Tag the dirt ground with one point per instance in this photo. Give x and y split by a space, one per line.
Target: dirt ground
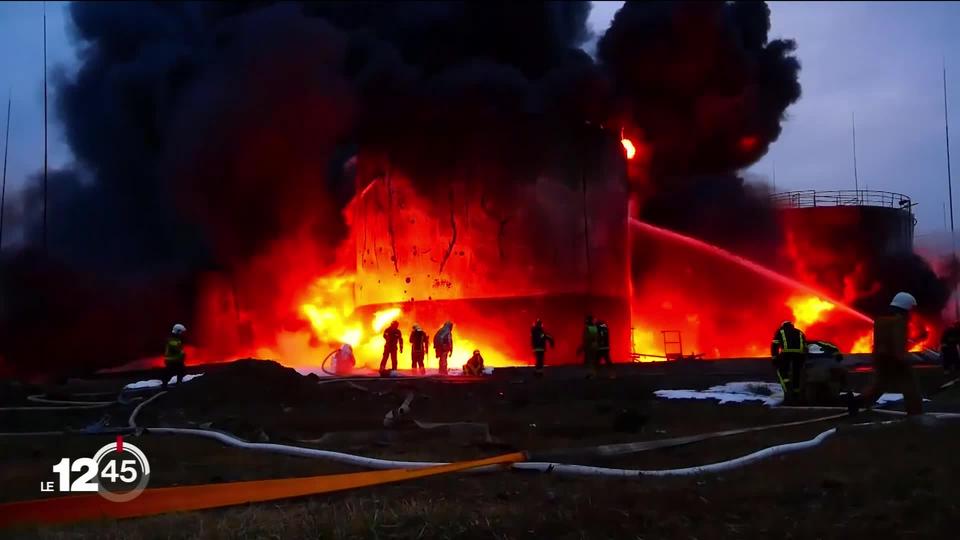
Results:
900 478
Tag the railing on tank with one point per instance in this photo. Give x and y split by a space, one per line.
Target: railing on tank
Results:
848 197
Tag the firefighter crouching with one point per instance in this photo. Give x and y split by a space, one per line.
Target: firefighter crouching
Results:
343 360
538 340
474 366
789 353
950 348
174 357
419 343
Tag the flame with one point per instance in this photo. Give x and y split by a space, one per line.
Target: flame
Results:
808 309
863 345
629 148
384 317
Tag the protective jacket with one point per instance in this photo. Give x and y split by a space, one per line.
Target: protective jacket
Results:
173 352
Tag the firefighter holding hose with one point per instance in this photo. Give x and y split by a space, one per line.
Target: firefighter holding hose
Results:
950 348
174 357
789 353
392 338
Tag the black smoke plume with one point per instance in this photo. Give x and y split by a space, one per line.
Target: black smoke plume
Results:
204 132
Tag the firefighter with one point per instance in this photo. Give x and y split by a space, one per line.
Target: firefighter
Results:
344 362
443 345
419 345
789 354
392 338
474 366
891 371
538 340
174 357
589 345
950 348
603 344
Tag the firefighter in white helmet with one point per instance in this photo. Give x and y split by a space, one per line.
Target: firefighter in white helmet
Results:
174 357
891 341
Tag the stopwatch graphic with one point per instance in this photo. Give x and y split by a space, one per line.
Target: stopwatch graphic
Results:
123 471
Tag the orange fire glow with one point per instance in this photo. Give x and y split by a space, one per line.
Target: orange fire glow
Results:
629 148
808 309
333 320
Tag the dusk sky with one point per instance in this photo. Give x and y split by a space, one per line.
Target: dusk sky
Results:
881 61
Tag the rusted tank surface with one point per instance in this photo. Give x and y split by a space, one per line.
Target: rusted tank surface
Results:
546 239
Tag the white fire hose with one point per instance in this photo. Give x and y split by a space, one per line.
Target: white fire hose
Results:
547 467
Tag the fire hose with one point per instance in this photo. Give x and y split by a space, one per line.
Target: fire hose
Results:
161 500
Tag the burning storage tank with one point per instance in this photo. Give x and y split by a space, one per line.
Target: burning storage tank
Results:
510 227
830 234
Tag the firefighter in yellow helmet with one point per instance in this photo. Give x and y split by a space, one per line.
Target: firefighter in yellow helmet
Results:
174 357
789 353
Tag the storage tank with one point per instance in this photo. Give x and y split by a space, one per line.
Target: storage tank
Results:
494 238
829 233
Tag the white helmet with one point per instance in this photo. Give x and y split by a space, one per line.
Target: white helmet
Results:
904 301
179 329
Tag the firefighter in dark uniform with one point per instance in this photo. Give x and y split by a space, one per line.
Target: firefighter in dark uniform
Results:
603 344
174 357
392 338
419 343
789 353
588 345
538 340
950 348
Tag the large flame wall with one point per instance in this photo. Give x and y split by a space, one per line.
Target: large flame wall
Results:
551 244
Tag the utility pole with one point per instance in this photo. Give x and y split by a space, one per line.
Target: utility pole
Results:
856 179
946 132
45 252
3 188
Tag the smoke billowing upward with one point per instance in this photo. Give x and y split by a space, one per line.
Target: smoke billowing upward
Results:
701 85
209 135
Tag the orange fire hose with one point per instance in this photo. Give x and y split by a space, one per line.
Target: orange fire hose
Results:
187 498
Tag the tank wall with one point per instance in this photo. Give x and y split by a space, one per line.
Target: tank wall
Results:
548 242
864 229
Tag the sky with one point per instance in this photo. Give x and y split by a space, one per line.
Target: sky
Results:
879 61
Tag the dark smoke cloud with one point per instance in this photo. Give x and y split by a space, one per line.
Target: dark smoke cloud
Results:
204 132
704 88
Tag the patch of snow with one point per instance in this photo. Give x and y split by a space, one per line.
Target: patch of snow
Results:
155 383
735 392
891 398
